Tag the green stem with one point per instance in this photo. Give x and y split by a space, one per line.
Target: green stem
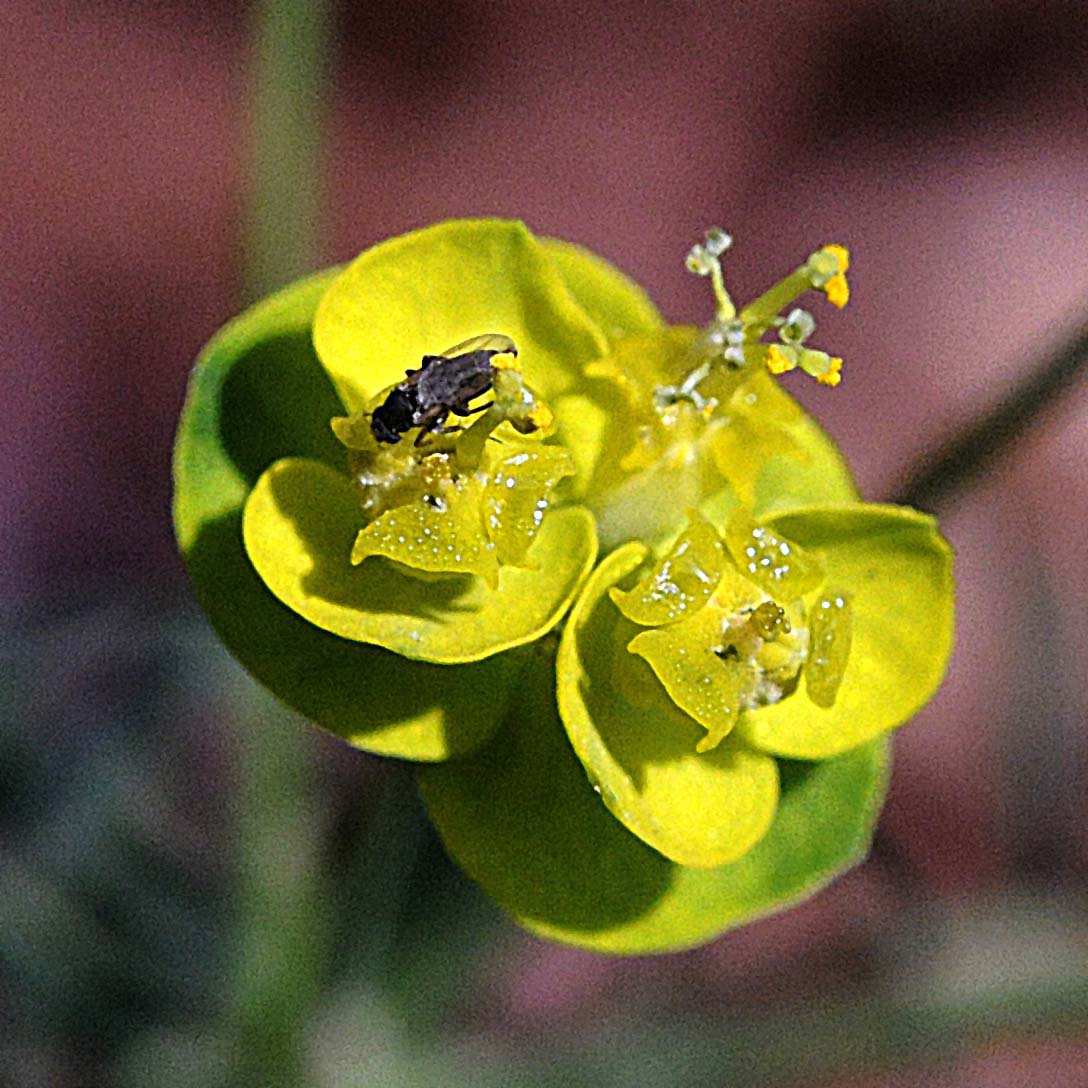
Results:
285 171
760 312
726 310
965 458
281 934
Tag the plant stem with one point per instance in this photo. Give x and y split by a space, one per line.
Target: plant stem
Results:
281 931
291 44
965 458
379 875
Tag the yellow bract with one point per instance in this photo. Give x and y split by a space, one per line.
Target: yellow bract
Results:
897 571
701 810
299 523
417 294
692 660
681 582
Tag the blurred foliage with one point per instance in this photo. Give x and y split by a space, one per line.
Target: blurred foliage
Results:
198 890
113 902
153 917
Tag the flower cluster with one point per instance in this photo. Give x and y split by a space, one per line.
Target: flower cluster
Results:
601 577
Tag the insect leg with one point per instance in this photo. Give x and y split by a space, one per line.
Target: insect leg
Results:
433 431
464 410
430 421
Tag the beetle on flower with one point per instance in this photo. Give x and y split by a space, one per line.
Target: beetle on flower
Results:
629 615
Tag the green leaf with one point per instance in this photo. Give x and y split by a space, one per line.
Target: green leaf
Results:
523 821
896 570
423 292
300 521
258 393
699 809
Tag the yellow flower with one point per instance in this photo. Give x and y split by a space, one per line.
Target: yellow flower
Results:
630 758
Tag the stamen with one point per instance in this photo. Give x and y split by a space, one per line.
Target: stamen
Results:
778 362
833 375
702 259
827 269
797 326
541 417
717 241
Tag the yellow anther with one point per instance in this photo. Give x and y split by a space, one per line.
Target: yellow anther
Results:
836 288
769 620
841 254
834 373
778 362
505 360
541 416
838 291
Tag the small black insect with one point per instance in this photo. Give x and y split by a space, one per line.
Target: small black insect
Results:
443 384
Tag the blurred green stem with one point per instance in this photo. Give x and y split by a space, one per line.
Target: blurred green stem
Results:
291 47
979 445
281 932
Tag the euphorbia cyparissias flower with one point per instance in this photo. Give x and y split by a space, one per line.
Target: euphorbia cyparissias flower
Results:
601 577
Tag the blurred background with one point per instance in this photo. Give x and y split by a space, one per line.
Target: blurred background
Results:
197 889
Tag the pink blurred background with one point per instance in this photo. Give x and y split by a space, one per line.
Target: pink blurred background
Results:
946 145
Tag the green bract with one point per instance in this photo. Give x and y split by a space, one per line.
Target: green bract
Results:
472 497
